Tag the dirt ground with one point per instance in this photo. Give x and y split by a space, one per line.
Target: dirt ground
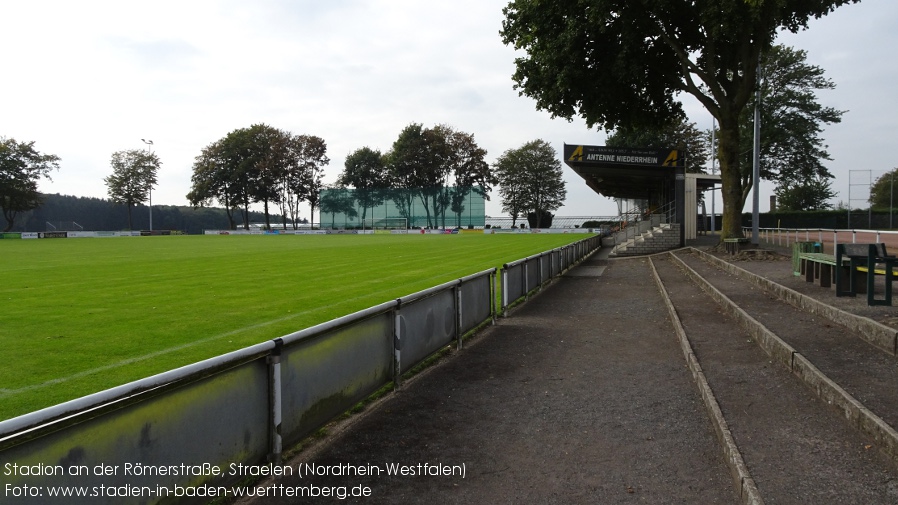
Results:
582 395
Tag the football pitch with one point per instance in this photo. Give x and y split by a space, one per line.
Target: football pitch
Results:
83 315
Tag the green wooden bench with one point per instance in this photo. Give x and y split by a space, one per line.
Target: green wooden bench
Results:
854 277
871 259
817 267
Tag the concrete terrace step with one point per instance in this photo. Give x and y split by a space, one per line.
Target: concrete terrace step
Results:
661 238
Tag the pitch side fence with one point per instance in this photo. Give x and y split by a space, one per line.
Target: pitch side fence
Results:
189 427
827 237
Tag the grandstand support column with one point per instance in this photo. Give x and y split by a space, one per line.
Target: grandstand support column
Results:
680 205
275 402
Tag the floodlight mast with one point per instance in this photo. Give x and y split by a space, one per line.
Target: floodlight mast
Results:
149 144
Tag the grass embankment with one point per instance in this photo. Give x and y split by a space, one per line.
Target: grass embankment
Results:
82 315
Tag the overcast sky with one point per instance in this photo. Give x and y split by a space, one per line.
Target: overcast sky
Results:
85 79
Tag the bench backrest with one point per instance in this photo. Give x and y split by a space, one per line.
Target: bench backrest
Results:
856 250
863 250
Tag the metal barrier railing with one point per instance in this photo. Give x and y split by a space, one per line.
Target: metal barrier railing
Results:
785 237
521 277
245 406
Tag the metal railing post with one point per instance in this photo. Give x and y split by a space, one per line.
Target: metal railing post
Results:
526 280
275 403
505 290
458 316
493 294
397 345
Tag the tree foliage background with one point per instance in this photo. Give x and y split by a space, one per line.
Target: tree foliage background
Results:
623 64
792 122
21 167
531 182
260 164
437 166
133 177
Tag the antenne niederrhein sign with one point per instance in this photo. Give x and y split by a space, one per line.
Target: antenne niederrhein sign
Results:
615 156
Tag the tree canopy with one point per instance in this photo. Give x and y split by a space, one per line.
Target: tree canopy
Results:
792 119
260 164
21 167
530 182
622 63
884 192
365 170
133 177
424 162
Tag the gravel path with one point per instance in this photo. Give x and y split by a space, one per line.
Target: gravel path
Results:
581 396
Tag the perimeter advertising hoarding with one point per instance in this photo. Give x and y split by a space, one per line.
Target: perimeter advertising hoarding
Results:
622 156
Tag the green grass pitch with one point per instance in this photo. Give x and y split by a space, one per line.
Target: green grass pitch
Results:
82 315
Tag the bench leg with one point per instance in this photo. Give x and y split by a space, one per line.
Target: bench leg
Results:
808 270
887 300
826 274
860 281
844 281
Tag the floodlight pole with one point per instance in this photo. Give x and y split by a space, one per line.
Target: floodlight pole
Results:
149 144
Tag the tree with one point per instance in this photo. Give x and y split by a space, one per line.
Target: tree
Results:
337 201
21 167
133 177
471 171
366 171
403 162
260 164
623 63
424 162
302 177
884 192
270 159
212 181
530 181
792 152
420 164
804 194
312 152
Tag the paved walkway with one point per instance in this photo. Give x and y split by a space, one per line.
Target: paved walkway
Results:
580 396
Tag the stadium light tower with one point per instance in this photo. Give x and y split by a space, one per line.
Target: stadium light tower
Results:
149 144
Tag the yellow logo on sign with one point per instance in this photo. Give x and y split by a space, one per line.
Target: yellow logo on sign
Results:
577 155
671 160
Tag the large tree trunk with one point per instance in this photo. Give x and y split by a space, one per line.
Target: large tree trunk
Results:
731 178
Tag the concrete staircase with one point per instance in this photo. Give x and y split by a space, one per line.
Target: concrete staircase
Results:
660 238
